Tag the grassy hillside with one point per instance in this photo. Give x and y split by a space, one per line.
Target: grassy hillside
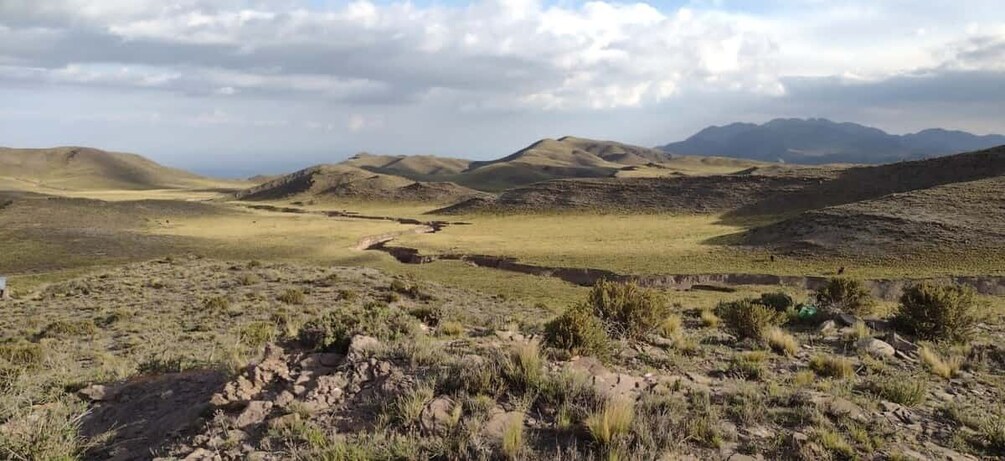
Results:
326 182
416 167
80 168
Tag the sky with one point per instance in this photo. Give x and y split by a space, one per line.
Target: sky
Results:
246 86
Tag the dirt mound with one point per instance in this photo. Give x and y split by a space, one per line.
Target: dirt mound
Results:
343 181
82 168
965 215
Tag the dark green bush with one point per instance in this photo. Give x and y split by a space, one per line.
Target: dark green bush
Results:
939 313
778 301
842 295
626 309
578 331
748 318
334 330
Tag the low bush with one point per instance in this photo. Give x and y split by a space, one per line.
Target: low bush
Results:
216 303
748 318
842 295
292 296
27 355
938 313
334 330
900 390
428 314
626 309
778 301
578 331
256 334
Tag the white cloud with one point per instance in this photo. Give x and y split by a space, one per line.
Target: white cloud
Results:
443 67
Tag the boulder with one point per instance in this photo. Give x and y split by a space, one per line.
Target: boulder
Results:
847 319
899 343
254 413
876 348
438 416
360 346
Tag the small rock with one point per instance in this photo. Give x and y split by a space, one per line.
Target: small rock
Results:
827 327
437 416
901 344
254 413
847 319
876 348
496 426
99 393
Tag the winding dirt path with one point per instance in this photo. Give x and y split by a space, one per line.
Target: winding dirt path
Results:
887 289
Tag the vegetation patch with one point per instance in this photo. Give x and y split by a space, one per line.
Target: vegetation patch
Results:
938 313
846 295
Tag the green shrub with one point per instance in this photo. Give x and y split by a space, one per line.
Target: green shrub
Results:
939 313
748 318
334 330
778 301
847 296
578 331
292 296
626 309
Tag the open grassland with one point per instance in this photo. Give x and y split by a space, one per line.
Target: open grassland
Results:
667 244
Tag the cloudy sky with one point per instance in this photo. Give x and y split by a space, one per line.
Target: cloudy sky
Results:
247 86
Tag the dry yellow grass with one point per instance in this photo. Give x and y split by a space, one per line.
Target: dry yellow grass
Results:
611 421
948 367
781 342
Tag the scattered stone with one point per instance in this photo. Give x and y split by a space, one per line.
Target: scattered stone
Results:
876 348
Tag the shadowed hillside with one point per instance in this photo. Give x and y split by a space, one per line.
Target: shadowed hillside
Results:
343 181
80 168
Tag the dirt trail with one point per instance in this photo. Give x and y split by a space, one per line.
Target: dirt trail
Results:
886 289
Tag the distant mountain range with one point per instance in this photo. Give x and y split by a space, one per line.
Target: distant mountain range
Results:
817 140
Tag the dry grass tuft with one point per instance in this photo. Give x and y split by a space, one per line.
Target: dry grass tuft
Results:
611 421
832 366
781 342
947 368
